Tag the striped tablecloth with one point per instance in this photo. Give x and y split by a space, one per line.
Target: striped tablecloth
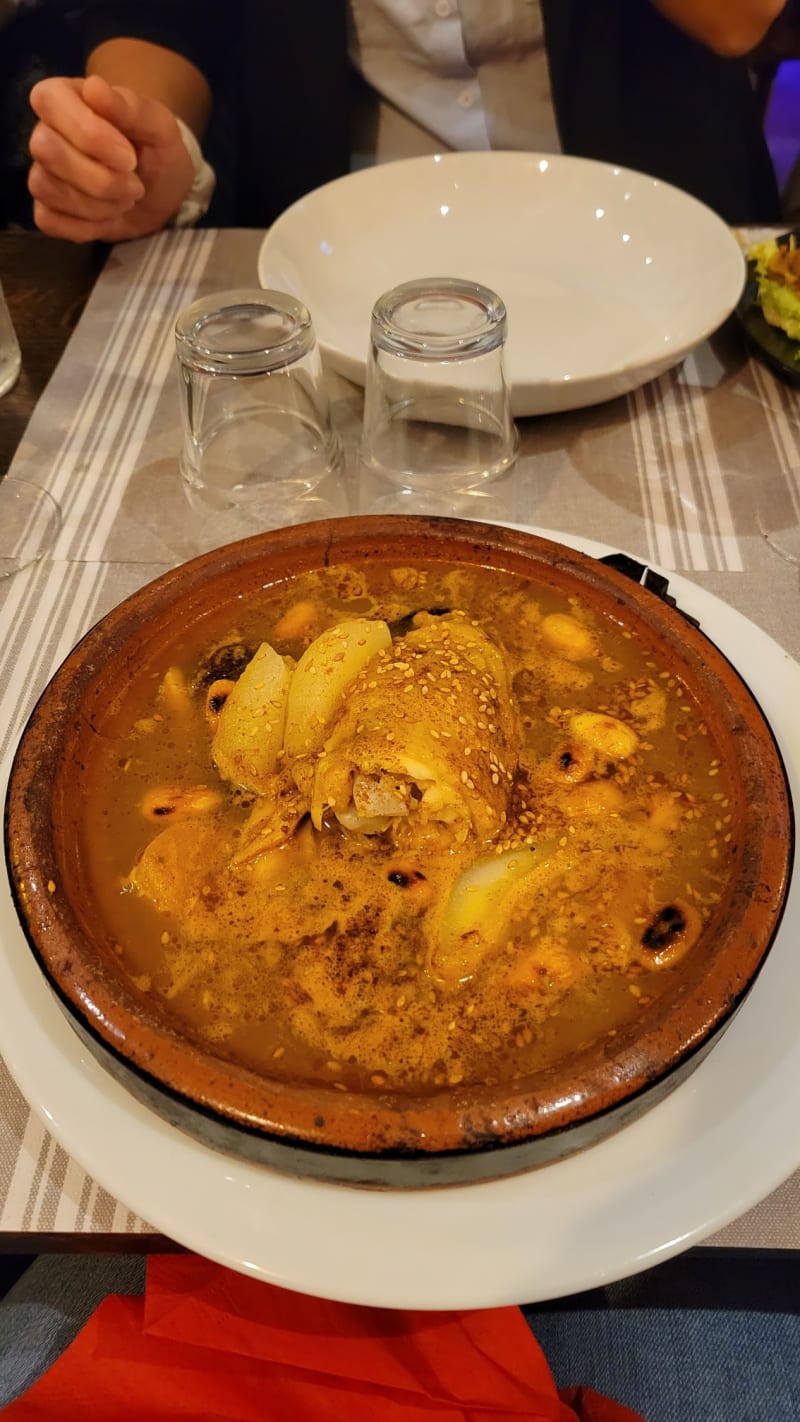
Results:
688 472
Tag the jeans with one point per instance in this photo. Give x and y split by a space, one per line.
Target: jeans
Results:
45 1309
687 1365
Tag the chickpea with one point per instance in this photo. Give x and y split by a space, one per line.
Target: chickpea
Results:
567 636
606 734
171 803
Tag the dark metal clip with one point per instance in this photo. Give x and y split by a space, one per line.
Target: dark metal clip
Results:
655 583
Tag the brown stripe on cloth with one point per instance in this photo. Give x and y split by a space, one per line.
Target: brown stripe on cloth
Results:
40 1173
14 1113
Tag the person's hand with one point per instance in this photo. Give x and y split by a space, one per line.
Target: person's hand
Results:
108 163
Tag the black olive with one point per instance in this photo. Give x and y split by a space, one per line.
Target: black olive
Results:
566 760
662 931
225 663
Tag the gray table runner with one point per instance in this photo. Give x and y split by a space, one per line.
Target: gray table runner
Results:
688 472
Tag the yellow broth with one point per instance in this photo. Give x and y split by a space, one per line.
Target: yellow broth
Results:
318 962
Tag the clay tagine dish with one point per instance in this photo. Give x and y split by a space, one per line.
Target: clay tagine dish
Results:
398 851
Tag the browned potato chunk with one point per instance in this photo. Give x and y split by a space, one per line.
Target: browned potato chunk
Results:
249 734
322 676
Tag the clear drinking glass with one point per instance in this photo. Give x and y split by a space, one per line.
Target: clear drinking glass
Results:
257 436
10 356
29 517
783 540
436 405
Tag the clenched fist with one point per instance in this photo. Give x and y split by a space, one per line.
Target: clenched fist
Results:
108 163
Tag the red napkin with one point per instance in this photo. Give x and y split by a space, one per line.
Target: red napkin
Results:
209 1344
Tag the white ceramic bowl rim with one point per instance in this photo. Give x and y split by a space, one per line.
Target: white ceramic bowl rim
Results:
609 276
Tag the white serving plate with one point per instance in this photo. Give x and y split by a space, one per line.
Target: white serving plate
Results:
610 277
713 1148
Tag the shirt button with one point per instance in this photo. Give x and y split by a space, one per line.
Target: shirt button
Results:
443 8
466 98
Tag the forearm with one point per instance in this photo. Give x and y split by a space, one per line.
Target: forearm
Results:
157 73
729 27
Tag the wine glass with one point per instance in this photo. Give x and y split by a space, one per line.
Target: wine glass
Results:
783 541
29 517
30 520
777 513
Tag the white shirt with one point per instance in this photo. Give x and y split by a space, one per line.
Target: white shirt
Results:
467 74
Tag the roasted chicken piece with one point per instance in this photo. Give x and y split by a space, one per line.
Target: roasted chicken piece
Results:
428 734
